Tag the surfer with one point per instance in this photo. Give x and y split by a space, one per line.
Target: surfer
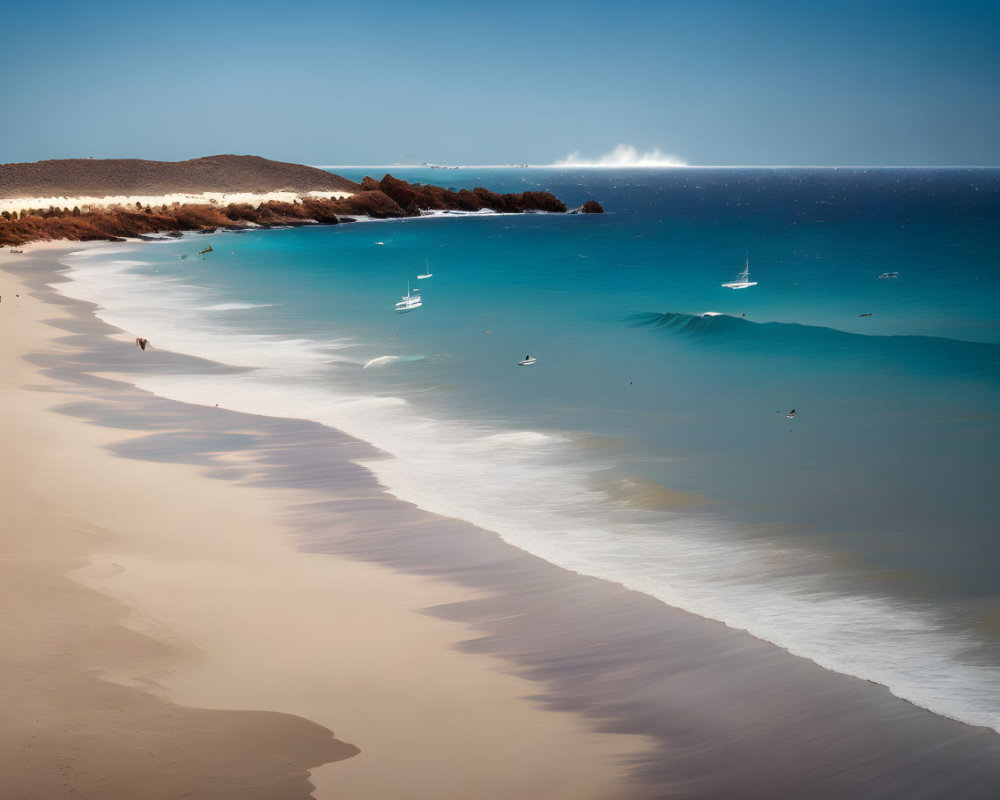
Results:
791 414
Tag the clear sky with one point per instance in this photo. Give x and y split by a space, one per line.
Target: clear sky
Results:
382 82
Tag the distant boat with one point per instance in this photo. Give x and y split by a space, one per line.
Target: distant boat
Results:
206 250
885 275
743 279
527 360
427 274
410 300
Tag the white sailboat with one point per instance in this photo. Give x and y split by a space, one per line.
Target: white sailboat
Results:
427 274
743 279
410 300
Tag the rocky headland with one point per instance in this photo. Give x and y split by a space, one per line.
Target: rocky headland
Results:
111 199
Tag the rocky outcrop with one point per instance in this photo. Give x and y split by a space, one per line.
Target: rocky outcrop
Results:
118 222
415 197
591 207
373 203
386 198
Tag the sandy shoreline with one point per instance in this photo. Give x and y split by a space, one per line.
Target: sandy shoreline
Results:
255 595
169 638
94 203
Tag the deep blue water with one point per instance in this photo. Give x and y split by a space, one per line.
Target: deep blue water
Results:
649 444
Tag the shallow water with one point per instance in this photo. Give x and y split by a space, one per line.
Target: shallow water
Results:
649 444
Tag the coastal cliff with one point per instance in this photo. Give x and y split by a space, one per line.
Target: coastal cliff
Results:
91 199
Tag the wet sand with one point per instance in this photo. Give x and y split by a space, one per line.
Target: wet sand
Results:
692 708
165 638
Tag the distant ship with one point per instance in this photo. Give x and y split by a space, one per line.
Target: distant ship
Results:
410 300
743 279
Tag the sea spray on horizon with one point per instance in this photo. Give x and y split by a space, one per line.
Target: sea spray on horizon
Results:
623 156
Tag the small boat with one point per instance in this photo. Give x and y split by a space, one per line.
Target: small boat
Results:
427 274
743 279
886 275
410 300
527 361
206 250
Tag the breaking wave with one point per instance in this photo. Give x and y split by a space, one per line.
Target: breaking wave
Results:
624 155
796 339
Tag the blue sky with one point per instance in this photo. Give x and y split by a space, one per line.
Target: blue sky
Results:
709 83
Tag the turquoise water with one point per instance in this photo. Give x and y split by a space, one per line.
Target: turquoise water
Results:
649 443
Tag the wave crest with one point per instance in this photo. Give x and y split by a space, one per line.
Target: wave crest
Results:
818 342
382 361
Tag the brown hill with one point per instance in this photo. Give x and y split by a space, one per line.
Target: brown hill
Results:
79 177
387 198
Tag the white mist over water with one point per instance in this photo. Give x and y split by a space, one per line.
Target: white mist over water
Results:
623 155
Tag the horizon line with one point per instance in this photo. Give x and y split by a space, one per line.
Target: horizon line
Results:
453 167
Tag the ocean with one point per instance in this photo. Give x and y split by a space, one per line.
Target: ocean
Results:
652 443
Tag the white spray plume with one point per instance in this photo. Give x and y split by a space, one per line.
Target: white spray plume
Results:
623 156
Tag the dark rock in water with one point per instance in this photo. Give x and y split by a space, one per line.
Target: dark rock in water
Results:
591 207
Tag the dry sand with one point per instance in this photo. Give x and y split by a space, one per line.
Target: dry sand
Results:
164 639
93 203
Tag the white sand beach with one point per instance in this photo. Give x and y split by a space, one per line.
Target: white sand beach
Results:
90 203
166 639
